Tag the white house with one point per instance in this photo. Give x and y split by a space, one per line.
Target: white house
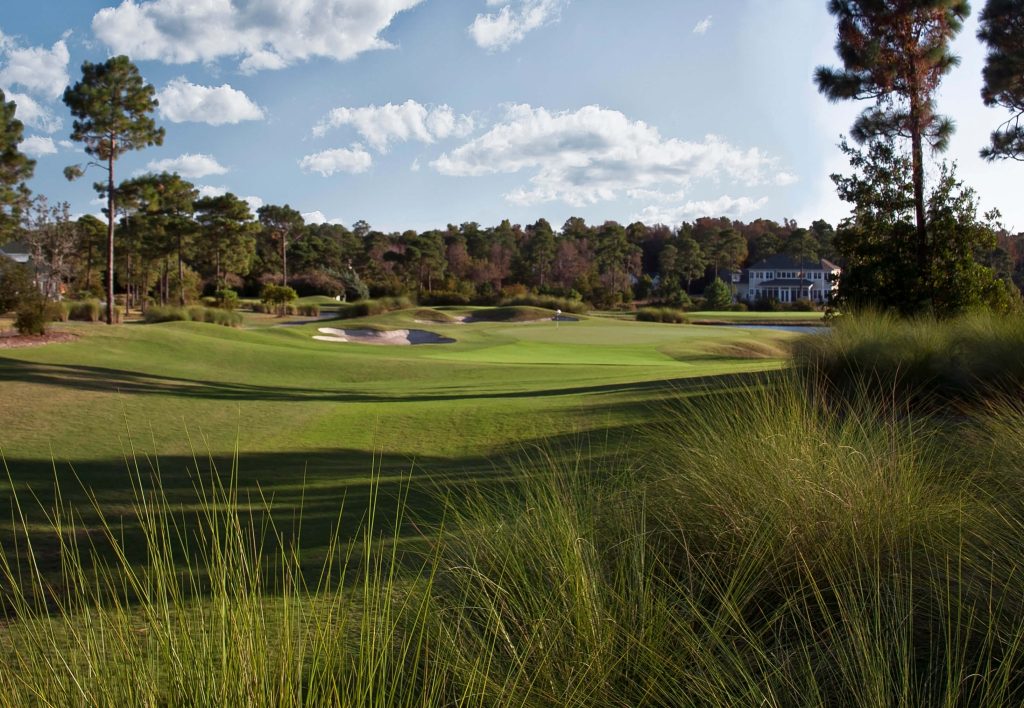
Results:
787 279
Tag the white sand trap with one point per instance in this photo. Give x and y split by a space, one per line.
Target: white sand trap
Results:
393 337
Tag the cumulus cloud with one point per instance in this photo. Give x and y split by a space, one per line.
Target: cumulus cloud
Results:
185 102
354 160
722 206
595 154
38 146
500 30
189 165
261 33
317 217
34 114
381 125
703 26
206 190
39 70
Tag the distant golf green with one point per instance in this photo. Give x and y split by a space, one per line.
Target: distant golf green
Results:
312 417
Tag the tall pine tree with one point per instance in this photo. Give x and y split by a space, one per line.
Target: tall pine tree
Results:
895 53
1002 29
15 168
112 107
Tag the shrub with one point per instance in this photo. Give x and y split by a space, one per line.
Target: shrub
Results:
803 305
85 310
15 284
548 302
717 295
165 313
278 297
226 299
661 314
33 315
369 308
308 310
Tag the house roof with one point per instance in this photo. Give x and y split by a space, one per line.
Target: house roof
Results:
782 261
15 248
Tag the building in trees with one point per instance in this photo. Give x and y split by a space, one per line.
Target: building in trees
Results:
786 279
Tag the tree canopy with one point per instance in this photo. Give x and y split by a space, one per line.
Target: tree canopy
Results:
1001 28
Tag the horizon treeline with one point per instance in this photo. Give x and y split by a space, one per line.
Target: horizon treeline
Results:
178 252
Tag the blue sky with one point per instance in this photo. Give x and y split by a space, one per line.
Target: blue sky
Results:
419 113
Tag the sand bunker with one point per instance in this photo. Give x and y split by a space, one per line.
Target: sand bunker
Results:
394 337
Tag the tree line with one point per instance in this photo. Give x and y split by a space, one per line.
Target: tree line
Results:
906 245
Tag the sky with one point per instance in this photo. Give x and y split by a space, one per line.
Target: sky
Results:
413 114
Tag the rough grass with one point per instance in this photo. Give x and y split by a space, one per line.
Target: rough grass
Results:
661 314
770 550
925 361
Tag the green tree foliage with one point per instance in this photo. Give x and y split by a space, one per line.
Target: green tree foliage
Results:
15 283
717 295
228 239
278 297
281 225
1001 28
874 243
15 169
895 53
112 106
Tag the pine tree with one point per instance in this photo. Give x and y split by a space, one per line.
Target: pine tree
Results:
15 168
111 106
895 53
1002 29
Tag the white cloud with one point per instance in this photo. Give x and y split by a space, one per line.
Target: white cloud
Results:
508 26
355 161
703 26
34 114
38 146
182 101
381 125
263 34
317 217
594 155
722 206
189 165
40 70
206 190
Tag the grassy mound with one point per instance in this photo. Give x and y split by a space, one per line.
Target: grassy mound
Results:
429 314
546 302
512 313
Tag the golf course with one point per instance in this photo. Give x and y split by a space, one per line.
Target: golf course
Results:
315 418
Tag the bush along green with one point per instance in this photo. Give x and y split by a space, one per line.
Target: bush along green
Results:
661 314
278 297
85 310
717 295
548 302
369 308
226 299
211 315
308 310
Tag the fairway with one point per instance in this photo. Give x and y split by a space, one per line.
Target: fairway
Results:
316 418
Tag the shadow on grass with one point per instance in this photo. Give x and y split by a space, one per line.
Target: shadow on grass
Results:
100 379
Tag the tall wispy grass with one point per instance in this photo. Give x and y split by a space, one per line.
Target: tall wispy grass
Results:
774 546
924 361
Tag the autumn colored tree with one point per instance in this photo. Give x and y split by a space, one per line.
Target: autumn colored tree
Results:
895 53
112 106
1002 28
15 169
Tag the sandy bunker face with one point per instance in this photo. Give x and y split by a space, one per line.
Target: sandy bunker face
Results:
394 337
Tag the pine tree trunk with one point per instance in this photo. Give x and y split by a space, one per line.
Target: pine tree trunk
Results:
181 275
917 154
111 203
